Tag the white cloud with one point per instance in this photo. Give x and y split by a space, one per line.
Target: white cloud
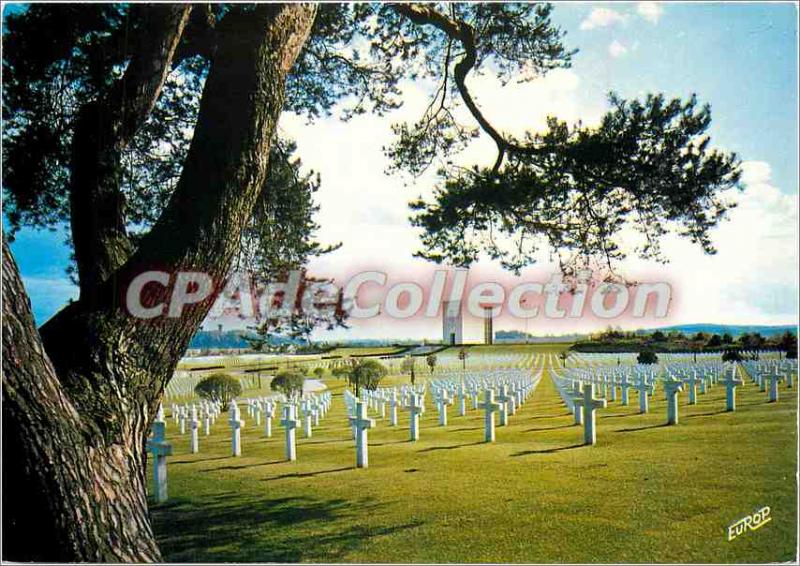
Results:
650 11
756 173
617 49
753 277
602 17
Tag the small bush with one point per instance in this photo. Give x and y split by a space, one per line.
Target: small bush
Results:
219 387
288 382
647 357
367 375
731 355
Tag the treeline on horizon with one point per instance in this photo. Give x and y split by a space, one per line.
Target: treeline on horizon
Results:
615 340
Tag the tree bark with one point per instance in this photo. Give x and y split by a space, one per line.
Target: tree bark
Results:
67 496
77 410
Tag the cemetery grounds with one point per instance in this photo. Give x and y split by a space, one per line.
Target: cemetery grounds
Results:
645 493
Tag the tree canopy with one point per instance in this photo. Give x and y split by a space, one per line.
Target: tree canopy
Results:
289 382
571 188
363 374
219 387
647 357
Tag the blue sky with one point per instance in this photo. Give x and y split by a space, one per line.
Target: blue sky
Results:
741 58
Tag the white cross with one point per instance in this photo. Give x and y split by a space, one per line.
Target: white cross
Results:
462 400
731 383
268 408
362 424
624 385
577 410
692 382
503 399
774 378
644 388
589 406
475 396
613 387
236 424
290 423
443 402
671 390
160 449
182 419
307 417
415 407
194 425
491 407
393 403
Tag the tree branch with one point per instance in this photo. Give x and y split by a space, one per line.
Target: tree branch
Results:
103 129
198 231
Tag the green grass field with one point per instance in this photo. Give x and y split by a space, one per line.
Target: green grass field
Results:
645 493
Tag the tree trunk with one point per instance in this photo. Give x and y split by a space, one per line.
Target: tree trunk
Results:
83 500
79 401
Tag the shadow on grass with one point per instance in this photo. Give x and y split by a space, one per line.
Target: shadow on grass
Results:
303 441
642 427
548 450
179 462
542 429
453 447
388 443
242 466
230 528
711 414
308 474
550 416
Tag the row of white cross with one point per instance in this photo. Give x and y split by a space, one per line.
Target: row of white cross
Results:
503 392
577 387
772 371
311 407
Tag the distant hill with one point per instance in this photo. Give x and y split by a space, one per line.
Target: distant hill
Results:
227 340
732 329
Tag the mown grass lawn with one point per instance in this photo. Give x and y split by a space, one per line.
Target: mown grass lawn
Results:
645 493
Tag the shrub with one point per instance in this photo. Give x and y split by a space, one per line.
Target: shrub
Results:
647 357
288 382
367 374
731 355
219 387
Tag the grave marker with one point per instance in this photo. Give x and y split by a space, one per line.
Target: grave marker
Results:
589 405
160 449
290 423
362 423
236 424
731 383
671 390
491 407
415 408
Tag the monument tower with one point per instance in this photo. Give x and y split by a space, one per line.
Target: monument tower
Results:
488 331
451 323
